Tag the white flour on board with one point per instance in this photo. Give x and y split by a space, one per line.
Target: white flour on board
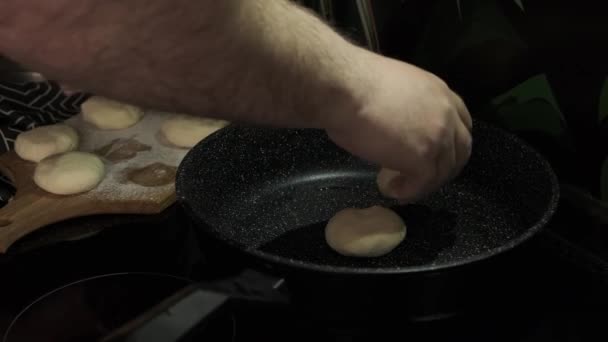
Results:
113 186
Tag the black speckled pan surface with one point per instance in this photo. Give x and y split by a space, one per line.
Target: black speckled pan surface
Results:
271 191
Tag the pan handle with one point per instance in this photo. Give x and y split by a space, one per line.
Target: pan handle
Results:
182 315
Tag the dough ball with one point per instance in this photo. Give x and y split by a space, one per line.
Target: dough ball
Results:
384 178
45 141
69 173
369 232
108 114
186 131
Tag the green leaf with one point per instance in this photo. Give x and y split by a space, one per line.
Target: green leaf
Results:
603 106
536 87
534 115
532 107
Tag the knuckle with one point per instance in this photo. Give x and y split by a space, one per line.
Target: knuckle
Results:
467 143
439 82
425 149
445 105
438 131
460 101
428 148
436 85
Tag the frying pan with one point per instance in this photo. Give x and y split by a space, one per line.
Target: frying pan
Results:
269 193
262 196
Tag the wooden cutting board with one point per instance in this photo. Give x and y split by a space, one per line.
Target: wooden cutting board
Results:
140 179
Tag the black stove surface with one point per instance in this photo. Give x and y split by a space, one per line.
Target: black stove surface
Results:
562 295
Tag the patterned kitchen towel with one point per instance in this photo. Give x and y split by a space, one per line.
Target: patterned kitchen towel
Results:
28 105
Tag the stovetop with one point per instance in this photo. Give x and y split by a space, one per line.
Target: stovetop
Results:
561 296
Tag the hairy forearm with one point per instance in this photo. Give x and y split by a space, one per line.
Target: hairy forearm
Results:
263 61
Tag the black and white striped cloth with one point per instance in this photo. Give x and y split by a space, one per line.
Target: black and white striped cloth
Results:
28 105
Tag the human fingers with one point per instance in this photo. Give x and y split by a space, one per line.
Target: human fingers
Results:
463 111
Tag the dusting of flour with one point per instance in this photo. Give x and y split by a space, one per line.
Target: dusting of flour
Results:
113 186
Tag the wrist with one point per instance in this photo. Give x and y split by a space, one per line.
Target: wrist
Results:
352 95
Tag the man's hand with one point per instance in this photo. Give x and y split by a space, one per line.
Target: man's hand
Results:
409 121
260 61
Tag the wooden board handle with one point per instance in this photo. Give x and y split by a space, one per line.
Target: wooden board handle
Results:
32 208
28 211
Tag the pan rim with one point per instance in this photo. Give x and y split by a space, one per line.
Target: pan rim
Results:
289 263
